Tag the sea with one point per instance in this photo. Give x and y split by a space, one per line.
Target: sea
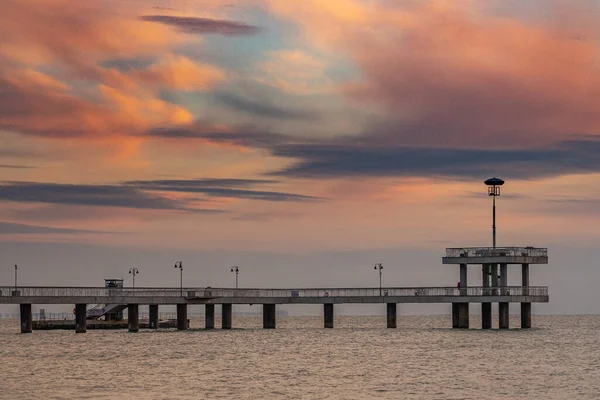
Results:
359 359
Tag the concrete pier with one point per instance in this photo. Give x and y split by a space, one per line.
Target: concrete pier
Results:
503 278
525 307
226 316
391 315
26 318
455 319
269 316
486 315
503 315
463 315
209 316
525 315
463 279
182 317
486 308
328 315
133 317
153 316
494 276
80 318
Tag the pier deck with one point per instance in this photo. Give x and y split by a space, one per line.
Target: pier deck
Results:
164 296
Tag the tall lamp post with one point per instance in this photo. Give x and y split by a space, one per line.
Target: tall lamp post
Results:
379 266
16 276
236 269
493 185
179 264
134 272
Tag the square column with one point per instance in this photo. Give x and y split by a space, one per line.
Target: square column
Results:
391 315
455 318
463 279
26 318
80 318
525 315
463 315
133 320
209 316
486 308
226 311
503 315
503 279
328 315
494 278
525 307
182 324
269 316
153 316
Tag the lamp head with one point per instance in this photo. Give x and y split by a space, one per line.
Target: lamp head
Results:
494 186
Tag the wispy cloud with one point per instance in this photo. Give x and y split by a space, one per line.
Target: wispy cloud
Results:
225 188
88 195
262 108
16 228
200 25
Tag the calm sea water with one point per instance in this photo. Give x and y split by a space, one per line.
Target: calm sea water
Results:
359 359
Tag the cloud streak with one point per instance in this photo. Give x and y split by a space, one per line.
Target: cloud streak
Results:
25 229
223 188
198 25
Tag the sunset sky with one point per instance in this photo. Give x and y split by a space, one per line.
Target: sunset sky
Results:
274 133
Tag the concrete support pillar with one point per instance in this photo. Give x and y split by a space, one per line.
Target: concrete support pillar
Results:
503 278
454 315
153 316
26 318
269 316
209 316
391 315
80 318
182 324
494 278
525 278
226 316
525 307
463 315
503 315
133 317
486 308
328 315
525 315
486 315
463 279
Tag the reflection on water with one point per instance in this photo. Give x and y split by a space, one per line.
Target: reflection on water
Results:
359 359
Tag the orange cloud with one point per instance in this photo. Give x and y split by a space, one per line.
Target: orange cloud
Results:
81 98
449 73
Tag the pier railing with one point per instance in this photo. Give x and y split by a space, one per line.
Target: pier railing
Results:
104 293
497 252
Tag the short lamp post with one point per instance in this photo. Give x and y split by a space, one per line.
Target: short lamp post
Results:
236 269
179 264
379 266
134 272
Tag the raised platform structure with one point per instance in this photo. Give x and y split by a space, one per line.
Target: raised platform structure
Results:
494 280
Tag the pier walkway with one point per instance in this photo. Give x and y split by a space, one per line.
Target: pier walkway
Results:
494 262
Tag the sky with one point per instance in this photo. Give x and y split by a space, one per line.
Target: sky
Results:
303 141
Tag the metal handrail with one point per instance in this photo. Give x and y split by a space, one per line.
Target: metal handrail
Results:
106 294
497 252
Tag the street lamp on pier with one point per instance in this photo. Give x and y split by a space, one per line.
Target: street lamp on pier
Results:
134 272
16 276
236 269
379 266
179 264
493 185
